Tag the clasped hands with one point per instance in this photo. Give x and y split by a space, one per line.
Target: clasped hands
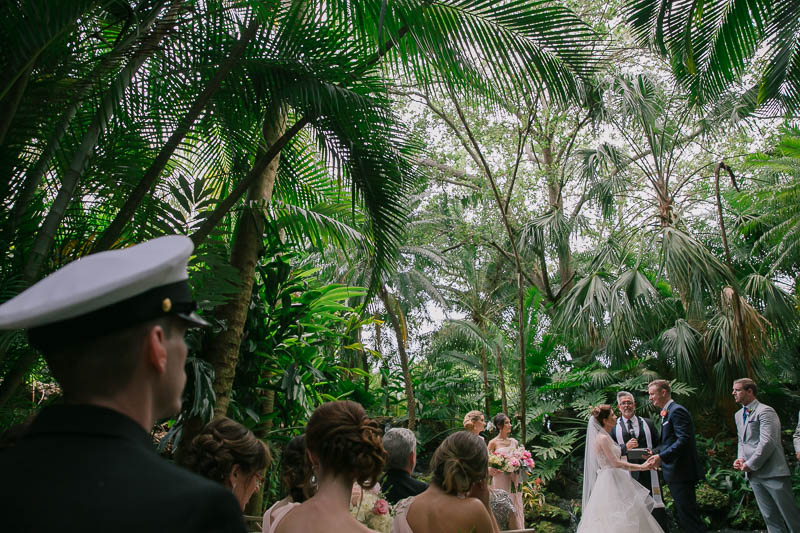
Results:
740 464
653 461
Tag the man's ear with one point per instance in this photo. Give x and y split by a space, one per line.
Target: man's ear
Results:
156 351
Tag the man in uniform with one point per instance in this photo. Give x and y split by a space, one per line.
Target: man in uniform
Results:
111 327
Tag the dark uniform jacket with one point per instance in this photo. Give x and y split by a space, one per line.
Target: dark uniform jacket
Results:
88 469
398 484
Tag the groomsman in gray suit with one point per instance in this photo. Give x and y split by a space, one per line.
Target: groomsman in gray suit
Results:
761 458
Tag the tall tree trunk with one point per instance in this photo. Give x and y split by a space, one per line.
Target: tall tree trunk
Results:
138 194
69 182
401 350
556 201
223 350
384 376
498 360
266 404
484 370
517 263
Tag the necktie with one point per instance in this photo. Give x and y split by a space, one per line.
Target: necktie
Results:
744 417
630 428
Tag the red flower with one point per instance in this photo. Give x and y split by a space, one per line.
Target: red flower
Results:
710 452
663 413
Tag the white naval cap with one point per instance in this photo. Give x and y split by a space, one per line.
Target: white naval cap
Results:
107 291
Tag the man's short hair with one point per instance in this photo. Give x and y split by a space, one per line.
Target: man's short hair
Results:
101 367
747 384
399 443
624 394
662 384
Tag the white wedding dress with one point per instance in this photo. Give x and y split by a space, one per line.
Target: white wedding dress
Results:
612 499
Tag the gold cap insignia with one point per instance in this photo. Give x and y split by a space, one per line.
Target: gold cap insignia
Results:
166 305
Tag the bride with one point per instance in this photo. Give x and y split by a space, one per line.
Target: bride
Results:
612 499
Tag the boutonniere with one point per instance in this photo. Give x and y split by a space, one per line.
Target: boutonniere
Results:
663 413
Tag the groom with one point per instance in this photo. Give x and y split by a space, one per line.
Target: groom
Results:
634 431
677 455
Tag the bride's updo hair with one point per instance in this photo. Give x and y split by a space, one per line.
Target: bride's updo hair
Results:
222 444
470 419
346 441
500 420
601 413
458 462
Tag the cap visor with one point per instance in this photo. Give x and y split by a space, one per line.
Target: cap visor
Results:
194 320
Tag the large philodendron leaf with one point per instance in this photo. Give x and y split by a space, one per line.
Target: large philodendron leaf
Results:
712 43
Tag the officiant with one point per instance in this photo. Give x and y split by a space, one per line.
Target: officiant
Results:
634 433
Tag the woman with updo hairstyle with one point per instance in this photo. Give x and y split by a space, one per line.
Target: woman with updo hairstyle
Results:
228 453
608 485
457 498
474 422
294 478
343 445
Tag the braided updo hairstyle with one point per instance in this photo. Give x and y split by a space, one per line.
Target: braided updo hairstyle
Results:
601 412
222 444
470 419
346 441
293 469
461 460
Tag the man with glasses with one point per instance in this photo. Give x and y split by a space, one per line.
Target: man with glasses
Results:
632 432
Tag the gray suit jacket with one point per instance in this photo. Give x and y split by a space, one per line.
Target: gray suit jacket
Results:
797 436
760 441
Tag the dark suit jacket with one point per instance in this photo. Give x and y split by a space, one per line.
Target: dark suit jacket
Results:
398 484
641 477
678 451
89 469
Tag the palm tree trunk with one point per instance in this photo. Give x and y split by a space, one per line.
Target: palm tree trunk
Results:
501 377
262 162
223 351
384 379
69 182
138 194
517 263
486 394
266 401
401 350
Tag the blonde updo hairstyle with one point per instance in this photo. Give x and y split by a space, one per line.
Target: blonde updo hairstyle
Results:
470 419
601 413
346 441
461 460
222 444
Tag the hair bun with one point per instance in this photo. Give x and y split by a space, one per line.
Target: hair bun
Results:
596 411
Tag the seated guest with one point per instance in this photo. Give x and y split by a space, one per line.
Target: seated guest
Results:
294 477
344 445
458 498
401 448
474 422
228 453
